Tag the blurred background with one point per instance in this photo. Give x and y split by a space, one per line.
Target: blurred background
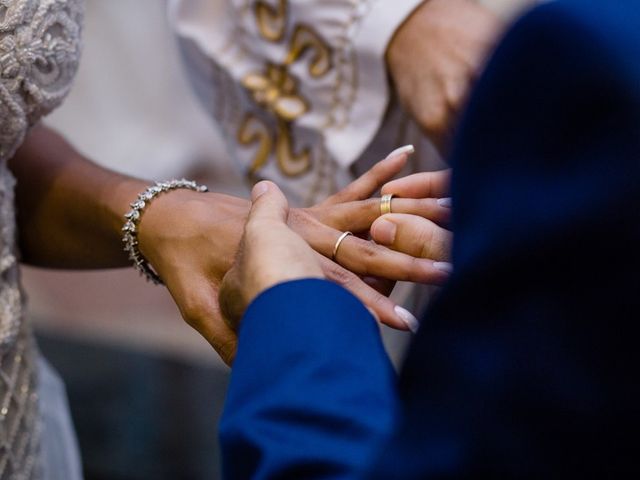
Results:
145 390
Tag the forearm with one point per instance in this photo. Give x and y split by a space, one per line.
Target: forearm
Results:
70 210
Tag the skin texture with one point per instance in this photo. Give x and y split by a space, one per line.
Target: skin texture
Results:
70 215
270 253
418 236
435 57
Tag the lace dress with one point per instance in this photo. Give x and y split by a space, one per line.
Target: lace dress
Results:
39 53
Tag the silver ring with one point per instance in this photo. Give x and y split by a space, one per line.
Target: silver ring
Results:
338 242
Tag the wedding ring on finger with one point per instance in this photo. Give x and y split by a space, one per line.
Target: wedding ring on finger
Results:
338 243
385 203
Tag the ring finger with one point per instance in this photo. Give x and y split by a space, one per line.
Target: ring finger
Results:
364 257
358 216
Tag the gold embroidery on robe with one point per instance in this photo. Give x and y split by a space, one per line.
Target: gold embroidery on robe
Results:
272 21
275 90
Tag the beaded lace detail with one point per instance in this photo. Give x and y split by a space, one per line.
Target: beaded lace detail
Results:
39 54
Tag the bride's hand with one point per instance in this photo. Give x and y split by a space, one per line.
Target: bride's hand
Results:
191 240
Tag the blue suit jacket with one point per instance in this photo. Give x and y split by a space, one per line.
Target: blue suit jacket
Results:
527 365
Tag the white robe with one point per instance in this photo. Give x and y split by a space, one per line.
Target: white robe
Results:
299 88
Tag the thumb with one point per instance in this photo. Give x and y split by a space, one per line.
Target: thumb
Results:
268 203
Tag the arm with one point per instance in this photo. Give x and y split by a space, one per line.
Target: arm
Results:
69 209
312 390
71 212
293 408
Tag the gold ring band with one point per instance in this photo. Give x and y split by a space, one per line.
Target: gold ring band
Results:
338 242
385 203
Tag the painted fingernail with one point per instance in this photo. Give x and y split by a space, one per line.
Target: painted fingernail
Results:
407 317
443 266
408 149
384 232
445 202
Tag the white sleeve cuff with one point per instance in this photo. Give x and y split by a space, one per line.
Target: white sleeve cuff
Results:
370 42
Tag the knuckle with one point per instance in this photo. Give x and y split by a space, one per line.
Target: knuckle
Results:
227 350
345 277
195 310
369 254
370 205
341 276
424 237
414 270
434 119
369 250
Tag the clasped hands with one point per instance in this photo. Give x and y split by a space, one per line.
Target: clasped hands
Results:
192 239
271 252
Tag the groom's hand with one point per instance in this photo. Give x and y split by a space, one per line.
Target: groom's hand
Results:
270 253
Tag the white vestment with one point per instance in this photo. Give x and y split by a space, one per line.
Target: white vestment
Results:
299 88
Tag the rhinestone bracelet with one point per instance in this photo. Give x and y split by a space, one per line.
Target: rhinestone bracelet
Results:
130 229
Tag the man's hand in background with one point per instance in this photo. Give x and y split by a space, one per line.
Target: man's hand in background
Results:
434 58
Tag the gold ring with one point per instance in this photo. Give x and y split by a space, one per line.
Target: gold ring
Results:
338 242
385 203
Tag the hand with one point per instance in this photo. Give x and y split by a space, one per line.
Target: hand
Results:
411 234
270 253
191 240
434 58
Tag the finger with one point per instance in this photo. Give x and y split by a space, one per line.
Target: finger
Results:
413 235
268 204
380 285
420 185
198 305
270 252
358 216
365 258
370 182
386 311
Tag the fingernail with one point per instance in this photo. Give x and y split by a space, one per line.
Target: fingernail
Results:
385 232
408 149
443 266
445 202
407 317
258 190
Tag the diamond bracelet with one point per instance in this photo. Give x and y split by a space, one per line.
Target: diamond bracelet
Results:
130 229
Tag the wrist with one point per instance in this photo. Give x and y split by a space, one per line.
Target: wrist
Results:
116 198
130 235
180 219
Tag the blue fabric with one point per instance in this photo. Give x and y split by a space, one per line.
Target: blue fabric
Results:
312 388
527 365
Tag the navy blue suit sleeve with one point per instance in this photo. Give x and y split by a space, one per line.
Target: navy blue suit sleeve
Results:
312 390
